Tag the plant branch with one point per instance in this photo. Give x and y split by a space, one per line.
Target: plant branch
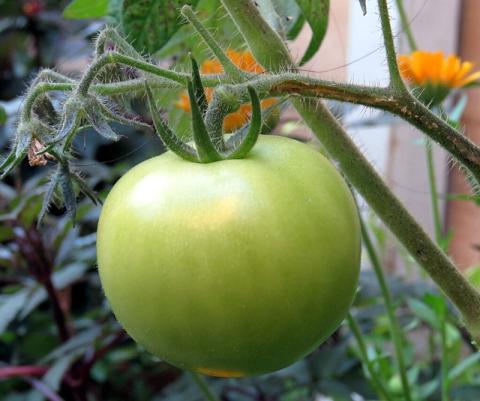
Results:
395 78
361 174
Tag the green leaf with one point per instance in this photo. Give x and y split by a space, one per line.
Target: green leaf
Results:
316 14
470 362
82 9
423 311
3 116
149 24
363 5
291 17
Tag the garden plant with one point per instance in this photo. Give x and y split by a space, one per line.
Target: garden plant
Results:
233 253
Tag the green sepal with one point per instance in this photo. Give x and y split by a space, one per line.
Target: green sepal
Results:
248 140
72 116
170 140
43 109
115 115
206 150
198 90
99 123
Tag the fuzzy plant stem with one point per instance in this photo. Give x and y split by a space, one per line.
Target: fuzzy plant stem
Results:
270 51
395 329
231 69
395 78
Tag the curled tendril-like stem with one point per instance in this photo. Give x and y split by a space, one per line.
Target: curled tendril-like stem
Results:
207 149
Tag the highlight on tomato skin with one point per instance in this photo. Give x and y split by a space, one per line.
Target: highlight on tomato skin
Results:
232 268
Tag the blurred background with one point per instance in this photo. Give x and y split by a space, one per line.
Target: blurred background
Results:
58 338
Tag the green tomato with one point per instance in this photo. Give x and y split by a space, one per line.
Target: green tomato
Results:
231 268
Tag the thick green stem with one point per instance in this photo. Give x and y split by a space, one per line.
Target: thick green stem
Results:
203 387
359 171
395 78
374 375
390 308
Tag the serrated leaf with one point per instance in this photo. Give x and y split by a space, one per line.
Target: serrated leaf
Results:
44 109
363 5
48 197
10 306
85 189
149 24
67 191
100 123
82 9
316 14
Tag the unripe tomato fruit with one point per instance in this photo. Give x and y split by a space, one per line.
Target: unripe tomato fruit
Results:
231 268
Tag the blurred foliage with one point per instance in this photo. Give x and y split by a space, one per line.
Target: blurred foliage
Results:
58 337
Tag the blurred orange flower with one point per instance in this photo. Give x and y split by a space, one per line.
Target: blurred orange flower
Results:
436 73
246 62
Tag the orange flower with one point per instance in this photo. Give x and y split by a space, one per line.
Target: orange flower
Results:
435 73
243 60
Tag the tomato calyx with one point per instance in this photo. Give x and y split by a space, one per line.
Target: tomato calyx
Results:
207 122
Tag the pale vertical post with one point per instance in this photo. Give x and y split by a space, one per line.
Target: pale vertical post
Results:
464 217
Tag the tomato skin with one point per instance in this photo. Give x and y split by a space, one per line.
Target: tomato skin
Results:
231 268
